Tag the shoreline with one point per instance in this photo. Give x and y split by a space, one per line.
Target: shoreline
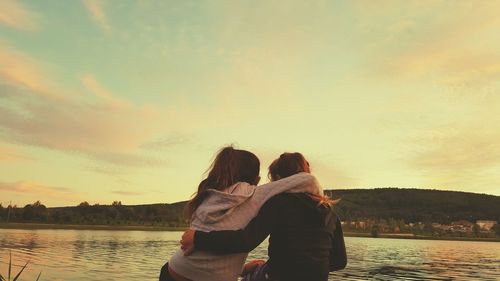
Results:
43 226
35 226
418 237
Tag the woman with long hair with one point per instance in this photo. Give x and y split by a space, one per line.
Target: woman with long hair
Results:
227 199
306 240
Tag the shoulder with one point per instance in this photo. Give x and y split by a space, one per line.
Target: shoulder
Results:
279 200
292 200
282 197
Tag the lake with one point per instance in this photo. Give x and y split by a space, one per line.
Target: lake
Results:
77 255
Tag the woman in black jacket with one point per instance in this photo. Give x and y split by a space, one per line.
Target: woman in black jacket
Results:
306 240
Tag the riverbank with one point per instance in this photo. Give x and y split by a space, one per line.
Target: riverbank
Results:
35 226
418 237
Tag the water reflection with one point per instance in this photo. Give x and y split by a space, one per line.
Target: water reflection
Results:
76 255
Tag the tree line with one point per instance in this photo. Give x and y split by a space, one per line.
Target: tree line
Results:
393 207
168 215
415 205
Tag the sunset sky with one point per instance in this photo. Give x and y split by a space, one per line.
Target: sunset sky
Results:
130 100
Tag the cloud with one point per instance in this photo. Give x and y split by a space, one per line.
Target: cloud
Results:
96 10
8 154
166 142
101 126
105 169
459 149
127 193
66 125
460 53
101 131
464 156
128 159
40 190
23 71
90 82
14 14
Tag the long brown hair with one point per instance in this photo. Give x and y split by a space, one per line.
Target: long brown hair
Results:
289 164
229 167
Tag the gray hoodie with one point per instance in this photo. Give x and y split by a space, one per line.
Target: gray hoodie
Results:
232 209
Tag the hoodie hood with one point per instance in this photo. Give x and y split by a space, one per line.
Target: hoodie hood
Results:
220 204
235 206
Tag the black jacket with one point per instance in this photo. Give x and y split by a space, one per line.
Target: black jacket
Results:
306 239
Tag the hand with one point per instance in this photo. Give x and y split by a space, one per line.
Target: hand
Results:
187 242
251 266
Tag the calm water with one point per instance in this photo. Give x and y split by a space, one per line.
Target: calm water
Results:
76 255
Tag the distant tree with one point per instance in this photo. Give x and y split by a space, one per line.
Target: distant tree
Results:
39 204
428 229
375 231
11 212
117 203
28 212
84 204
496 229
35 211
476 230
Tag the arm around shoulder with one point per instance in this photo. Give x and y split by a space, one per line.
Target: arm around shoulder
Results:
239 241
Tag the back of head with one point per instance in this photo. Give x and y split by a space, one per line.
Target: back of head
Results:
229 167
288 164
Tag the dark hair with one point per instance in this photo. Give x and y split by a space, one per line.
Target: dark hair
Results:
229 167
289 164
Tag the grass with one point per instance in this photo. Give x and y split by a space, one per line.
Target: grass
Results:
9 272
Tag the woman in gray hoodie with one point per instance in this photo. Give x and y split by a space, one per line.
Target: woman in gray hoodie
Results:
227 200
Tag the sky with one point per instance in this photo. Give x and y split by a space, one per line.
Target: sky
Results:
130 100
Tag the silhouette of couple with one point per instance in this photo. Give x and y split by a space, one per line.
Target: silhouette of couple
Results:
230 215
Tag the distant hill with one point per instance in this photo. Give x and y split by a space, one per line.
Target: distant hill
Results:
411 205
416 205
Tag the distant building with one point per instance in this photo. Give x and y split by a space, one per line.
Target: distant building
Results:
462 226
361 224
436 225
485 225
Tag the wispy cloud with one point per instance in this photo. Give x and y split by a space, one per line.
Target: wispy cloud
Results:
166 142
106 128
8 154
129 159
14 14
90 82
127 193
98 14
38 190
23 71
461 155
459 149
459 53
